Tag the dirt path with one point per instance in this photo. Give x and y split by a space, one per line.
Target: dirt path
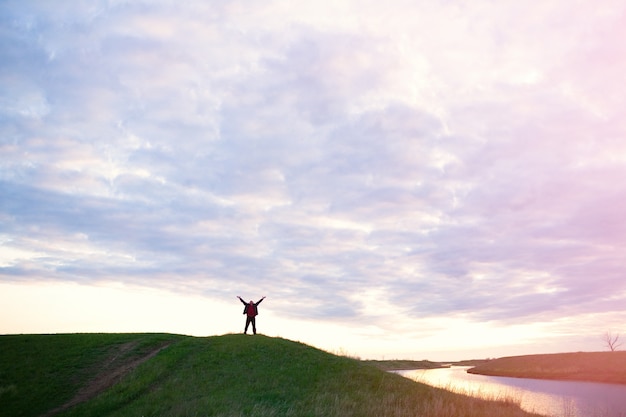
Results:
114 368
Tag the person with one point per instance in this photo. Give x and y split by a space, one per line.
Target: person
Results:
251 311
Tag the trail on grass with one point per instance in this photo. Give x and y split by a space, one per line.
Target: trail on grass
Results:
113 369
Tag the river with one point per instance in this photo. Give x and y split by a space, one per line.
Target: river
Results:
549 398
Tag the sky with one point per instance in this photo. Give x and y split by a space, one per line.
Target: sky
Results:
435 180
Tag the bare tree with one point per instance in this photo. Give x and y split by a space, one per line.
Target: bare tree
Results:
612 341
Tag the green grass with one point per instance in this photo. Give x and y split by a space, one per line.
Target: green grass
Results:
40 372
607 367
230 375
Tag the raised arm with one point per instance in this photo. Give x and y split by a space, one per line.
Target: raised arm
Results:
241 299
259 302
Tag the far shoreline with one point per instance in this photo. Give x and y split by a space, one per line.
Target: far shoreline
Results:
601 367
408 365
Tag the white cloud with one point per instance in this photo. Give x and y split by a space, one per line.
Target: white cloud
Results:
427 159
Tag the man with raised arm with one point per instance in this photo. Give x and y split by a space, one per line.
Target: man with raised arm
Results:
251 311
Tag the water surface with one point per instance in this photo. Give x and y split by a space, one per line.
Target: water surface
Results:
550 398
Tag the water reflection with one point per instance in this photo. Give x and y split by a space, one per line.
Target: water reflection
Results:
550 398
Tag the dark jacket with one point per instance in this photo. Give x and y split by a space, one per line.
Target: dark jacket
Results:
245 308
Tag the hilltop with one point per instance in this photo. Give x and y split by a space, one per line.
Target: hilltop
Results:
607 367
231 375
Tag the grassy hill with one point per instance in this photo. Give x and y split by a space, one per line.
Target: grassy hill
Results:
231 375
578 366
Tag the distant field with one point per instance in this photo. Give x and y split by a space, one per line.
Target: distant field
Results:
164 375
402 364
399 364
607 367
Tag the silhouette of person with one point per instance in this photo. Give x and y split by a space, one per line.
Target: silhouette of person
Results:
251 311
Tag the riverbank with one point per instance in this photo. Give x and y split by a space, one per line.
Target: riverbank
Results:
542 396
608 367
76 375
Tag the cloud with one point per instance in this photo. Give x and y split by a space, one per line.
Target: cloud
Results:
430 160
